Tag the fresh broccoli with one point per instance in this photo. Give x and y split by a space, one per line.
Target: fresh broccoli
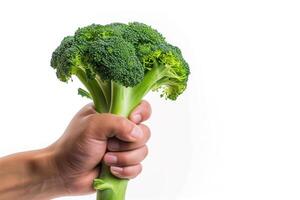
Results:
119 64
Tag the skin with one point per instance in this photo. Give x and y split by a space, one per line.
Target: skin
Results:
69 166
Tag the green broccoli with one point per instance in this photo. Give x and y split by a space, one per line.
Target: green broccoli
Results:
119 64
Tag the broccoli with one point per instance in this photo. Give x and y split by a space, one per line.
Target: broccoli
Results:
119 64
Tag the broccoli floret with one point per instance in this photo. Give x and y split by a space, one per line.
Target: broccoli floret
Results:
119 64
115 59
65 58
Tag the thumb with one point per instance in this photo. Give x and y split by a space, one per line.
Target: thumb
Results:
104 126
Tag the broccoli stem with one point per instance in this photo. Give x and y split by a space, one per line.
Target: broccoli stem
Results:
106 89
111 187
114 188
123 100
120 100
151 78
94 89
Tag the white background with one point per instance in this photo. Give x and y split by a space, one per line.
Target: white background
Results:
234 134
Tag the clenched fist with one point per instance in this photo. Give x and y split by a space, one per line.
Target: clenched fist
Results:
69 166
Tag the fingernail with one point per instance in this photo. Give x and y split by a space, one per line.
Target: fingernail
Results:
137 118
114 145
116 170
111 159
136 132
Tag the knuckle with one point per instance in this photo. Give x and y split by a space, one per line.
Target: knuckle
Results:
86 110
124 124
132 172
89 108
147 109
146 151
127 172
91 121
147 132
140 168
124 158
148 106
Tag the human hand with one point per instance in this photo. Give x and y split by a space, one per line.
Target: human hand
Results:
92 138
69 166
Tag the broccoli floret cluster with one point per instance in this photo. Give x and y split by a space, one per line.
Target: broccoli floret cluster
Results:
124 54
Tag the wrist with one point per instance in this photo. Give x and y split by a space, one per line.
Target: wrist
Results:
44 179
30 175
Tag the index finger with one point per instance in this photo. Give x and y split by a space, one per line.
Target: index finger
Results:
141 113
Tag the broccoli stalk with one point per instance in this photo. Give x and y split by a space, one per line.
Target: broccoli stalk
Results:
119 64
